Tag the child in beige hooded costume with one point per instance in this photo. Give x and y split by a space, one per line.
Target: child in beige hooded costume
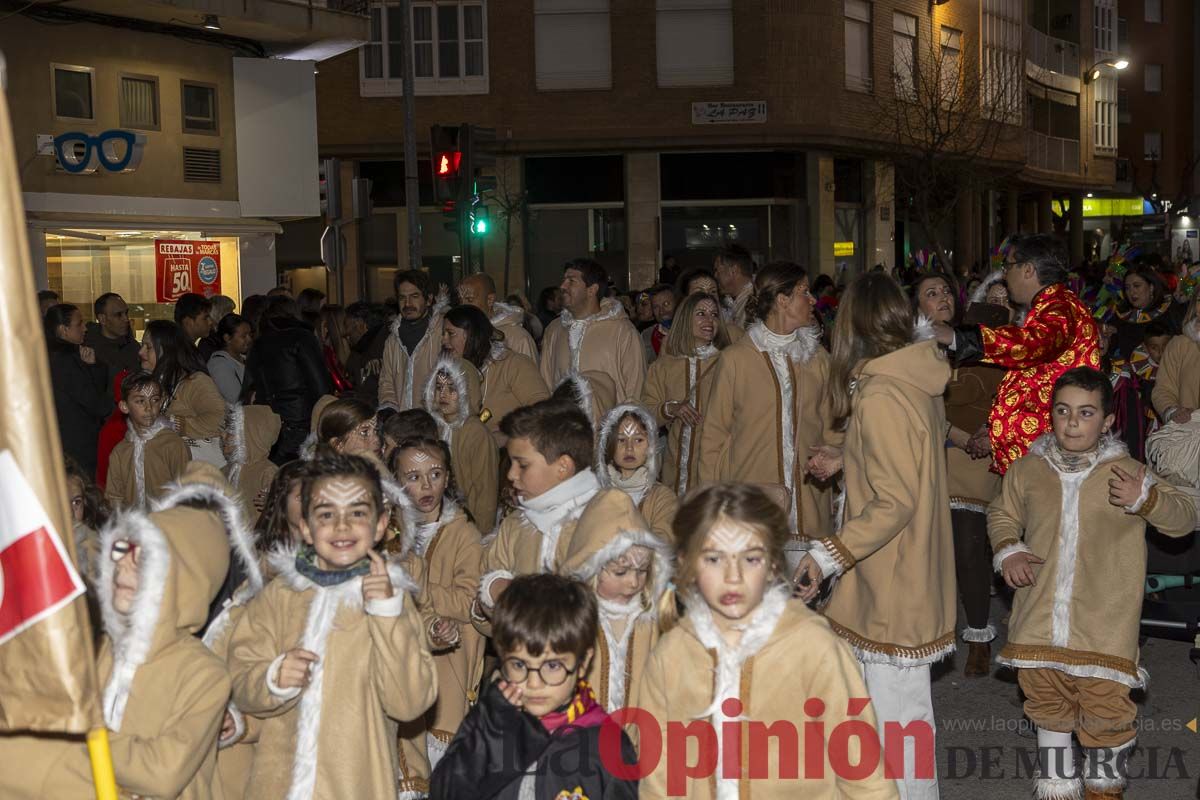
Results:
250 433
627 459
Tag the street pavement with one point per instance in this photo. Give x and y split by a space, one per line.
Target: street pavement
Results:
984 741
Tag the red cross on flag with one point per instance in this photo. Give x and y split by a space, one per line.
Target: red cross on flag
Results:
36 575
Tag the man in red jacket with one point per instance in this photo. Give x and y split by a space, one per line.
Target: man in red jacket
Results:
1058 334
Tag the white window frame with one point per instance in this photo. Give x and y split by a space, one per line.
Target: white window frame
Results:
1104 104
1152 146
668 10
90 72
1152 78
1104 26
1001 69
950 61
1153 11
857 15
906 54
582 12
391 87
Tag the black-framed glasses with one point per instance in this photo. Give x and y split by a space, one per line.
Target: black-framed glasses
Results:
552 672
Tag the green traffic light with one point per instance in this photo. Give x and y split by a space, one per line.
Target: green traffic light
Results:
480 227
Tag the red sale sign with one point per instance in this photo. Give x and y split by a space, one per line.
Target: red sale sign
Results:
182 266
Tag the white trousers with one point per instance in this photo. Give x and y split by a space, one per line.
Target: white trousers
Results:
902 695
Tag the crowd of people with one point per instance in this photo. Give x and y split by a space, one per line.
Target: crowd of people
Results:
433 548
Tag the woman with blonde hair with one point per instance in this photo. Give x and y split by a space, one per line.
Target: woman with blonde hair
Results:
768 403
895 599
679 380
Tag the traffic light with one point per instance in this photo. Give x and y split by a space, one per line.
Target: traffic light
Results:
478 148
450 213
447 157
480 220
328 178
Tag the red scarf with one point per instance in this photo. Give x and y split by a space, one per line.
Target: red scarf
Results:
583 710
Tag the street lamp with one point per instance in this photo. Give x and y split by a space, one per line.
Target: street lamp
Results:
211 22
1093 72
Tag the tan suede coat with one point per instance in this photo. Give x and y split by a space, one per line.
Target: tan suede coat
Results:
800 659
473 454
259 430
1177 384
198 406
968 401
606 342
668 381
1082 615
740 438
896 601
164 458
510 320
402 377
341 730
510 380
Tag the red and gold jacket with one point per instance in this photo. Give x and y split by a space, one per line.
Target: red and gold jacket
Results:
1058 334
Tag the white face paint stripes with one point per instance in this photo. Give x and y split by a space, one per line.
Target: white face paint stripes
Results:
341 492
631 429
732 539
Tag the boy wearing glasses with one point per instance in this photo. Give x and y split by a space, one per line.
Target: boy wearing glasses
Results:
535 733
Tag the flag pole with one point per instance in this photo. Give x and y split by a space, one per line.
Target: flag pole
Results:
102 767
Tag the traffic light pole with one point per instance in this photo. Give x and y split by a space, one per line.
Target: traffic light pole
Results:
412 186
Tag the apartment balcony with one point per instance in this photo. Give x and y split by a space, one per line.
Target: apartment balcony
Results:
1051 153
295 29
1051 61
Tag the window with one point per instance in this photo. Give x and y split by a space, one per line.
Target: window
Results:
1152 75
1104 26
1152 145
449 49
199 101
1153 10
139 102
1001 78
572 44
694 40
904 54
1104 92
950 64
73 91
858 45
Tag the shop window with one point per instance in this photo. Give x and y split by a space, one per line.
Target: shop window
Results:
199 102
449 49
74 89
572 44
731 176
575 179
139 102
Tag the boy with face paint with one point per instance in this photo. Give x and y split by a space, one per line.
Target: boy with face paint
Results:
335 609
1078 566
152 454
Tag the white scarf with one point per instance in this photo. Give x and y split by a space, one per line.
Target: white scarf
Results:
576 328
618 646
139 440
797 346
636 485
730 659
547 512
423 532
703 353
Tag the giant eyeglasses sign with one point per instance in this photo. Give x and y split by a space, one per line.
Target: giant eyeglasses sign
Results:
114 151
183 266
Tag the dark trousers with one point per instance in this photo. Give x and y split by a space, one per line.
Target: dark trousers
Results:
972 564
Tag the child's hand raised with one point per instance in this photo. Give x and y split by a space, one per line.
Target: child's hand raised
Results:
378 584
513 693
1018 569
295 671
1125 489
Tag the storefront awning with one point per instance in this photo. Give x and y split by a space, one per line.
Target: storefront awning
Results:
62 222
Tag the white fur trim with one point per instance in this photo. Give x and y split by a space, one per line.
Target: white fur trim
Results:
131 634
507 314
583 391
576 328
485 585
239 727
412 794
685 431
386 606
604 432
624 540
1058 789
139 441
308 448
993 277
780 350
873 657
235 423
1005 552
435 748
393 493
440 304
923 329
1077 670
979 635
1147 483
964 505
1192 329
1099 761
758 629
274 688
828 564
618 646
451 366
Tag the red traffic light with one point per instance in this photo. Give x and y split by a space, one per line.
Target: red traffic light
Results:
449 163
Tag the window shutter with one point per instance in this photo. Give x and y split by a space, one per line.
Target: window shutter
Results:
572 44
695 42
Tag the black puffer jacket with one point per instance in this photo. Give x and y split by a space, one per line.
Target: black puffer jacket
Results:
82 400
286 371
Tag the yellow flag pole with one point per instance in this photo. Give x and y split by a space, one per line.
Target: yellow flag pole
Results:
102 767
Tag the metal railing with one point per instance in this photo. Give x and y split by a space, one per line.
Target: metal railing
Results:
1051 153
1055 55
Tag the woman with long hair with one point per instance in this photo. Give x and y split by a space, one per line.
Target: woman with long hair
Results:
194 404
768 403
81 399
227 366
510 379
335 345
679 380
971 482
894 601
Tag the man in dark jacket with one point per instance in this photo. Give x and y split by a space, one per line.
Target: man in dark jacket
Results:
110 335
287 372
366 327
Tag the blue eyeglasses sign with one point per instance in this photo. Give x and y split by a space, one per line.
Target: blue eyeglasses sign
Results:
102 150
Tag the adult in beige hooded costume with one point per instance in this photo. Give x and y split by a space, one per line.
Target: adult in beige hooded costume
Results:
655 502
473 454
678 383
404 371
768 403
593 334
164 692
607 530
479 291
895 600
251 432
